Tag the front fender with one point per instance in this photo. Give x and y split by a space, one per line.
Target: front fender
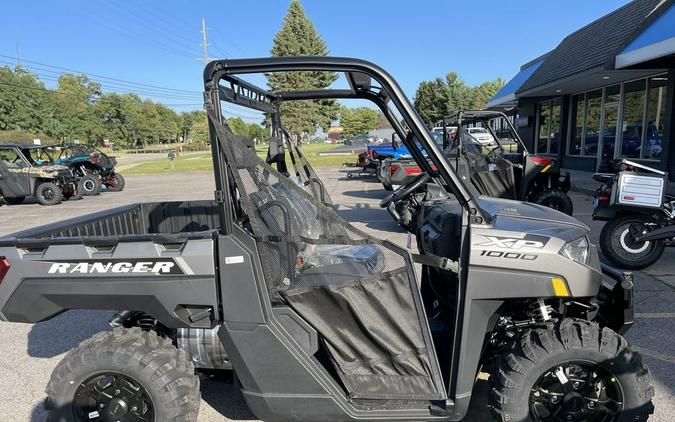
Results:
615 300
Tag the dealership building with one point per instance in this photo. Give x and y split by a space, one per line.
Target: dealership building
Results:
604 93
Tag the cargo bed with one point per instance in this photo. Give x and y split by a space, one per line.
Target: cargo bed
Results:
156 256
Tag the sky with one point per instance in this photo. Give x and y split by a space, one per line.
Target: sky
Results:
157 43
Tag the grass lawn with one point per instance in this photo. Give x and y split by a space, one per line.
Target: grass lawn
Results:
202 161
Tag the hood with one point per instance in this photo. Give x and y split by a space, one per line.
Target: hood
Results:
526 217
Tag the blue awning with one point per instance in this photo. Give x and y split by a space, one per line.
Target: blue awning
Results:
507 95
657 40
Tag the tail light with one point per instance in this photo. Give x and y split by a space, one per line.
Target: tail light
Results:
412 170
393 169
541 161
4 267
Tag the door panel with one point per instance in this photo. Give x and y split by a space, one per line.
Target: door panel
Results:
14 179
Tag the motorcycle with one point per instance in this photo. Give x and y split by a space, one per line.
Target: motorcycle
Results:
638 204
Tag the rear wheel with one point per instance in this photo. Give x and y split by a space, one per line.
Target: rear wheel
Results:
49 193
116 183
571 371
619 246
16 200
555 199
90 185
124 375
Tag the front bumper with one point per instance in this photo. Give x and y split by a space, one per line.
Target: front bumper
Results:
615 300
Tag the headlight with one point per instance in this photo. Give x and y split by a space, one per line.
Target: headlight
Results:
576 250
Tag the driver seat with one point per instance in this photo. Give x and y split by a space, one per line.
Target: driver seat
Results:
286 213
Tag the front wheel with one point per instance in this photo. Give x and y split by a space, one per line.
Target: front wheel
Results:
49 193
571 371
124 375
90 185
619 246
555 199
116 183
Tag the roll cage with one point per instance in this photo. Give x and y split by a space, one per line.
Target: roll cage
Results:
366 81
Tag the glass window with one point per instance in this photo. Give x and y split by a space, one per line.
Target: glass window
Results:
611 117
543 128
554 128
656 114
633 112
577 126
593 123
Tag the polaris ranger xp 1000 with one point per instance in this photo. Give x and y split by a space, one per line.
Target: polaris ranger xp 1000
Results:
318 320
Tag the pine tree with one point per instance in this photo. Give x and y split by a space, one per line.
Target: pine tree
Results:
298 37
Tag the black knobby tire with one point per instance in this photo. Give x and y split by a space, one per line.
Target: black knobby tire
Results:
537 351
49 193
555 199
15 200
117 184
163 371
618 246
90 185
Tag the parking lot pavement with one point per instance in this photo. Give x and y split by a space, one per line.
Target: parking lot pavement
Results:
28 353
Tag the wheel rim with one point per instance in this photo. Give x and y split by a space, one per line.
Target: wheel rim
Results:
630 249
112 396
48 194
576 391
89 185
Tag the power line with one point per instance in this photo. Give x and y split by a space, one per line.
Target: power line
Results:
64 69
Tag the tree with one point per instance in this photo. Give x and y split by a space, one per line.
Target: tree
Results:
25 103
439 98
74 97
299 37
431 100
357 120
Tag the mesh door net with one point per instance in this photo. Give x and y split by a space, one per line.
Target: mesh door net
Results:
352 288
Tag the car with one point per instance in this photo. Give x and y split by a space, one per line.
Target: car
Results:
95 168
315 319
479 135
22 175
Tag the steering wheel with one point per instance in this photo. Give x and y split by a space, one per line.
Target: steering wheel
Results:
406 190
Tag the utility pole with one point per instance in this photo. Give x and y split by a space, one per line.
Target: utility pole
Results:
18 55
204 44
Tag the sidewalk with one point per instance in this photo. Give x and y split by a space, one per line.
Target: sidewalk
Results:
582 181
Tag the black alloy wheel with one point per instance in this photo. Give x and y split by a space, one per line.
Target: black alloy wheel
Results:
576 391
112 396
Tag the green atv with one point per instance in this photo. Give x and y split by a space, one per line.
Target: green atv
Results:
21 176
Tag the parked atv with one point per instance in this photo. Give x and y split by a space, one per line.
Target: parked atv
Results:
95 168
321 321
22 177
638 204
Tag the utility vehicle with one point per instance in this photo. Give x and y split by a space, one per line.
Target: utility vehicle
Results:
318 320
21 176
487 151
95 168
638 204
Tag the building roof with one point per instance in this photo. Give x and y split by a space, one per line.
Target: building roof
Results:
657 40
507 95
594 45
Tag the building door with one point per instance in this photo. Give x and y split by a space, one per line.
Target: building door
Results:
609 125
610 119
